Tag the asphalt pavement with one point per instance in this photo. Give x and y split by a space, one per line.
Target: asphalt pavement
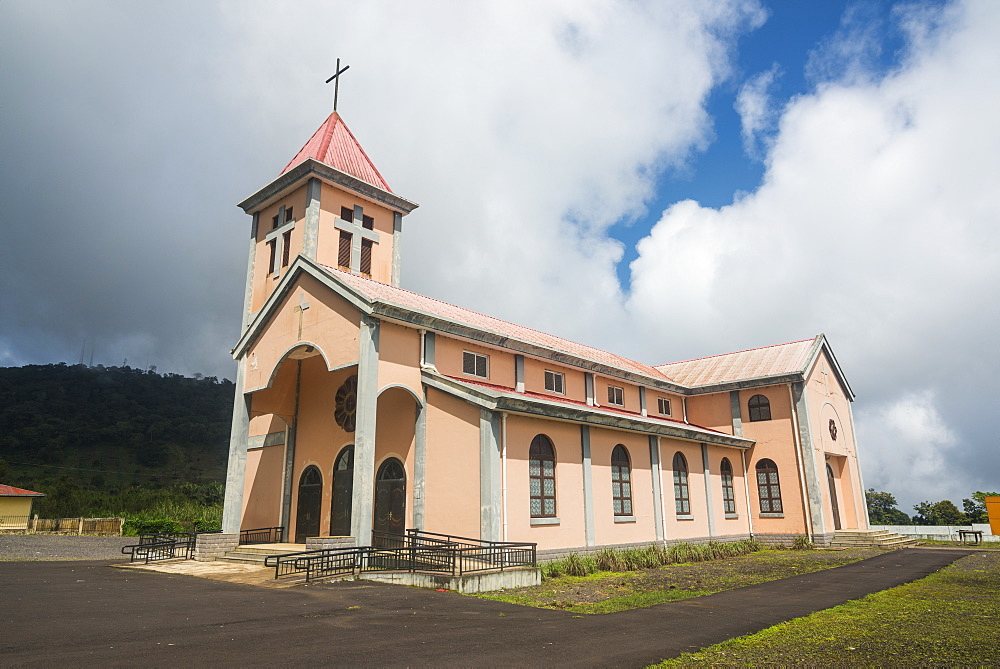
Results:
90 613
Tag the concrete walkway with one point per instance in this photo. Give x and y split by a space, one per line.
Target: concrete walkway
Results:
85 613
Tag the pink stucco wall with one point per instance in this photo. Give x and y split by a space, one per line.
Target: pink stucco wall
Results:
328 240
534 379
448 360
606 530
451 505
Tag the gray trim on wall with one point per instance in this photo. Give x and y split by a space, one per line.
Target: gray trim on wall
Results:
248 288
588 486
815 495
363 497
310 237
654 468
519 373
419 464
734 405
237 468
642 401
708 490
588 378
397 250
429 349
489 475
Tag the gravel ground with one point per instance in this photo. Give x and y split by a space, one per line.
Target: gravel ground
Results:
62 547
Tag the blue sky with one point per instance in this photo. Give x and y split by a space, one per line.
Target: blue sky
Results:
527 131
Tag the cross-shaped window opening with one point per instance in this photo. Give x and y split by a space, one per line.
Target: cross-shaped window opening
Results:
286 248
357 240
279 239
272 249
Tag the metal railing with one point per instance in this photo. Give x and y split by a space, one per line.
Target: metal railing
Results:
165 546
414 551
261 535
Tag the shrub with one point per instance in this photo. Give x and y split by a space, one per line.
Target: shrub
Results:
802 543
134 526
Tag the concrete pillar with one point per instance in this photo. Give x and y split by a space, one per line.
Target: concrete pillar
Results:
654 468
814 494
489 475
588 486
708 490
363 499
519 373
734 405
236 471
311 233
397 250
419 465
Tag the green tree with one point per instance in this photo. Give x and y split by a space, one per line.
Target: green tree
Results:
939 513
882 509
975 508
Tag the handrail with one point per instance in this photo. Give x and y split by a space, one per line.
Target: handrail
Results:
261 535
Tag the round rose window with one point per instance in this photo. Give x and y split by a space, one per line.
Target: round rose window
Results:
833 430
346 411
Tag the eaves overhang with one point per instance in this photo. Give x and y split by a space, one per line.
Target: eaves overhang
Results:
822 345
513 402
311 167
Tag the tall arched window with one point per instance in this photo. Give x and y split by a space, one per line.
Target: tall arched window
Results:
682 496
542 473
728 492
621 481
760 408
768 489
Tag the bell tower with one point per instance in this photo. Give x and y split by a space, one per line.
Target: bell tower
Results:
329 204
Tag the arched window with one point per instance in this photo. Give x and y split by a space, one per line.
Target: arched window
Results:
760 408
682 496
621 481
542 473
768 489
728 492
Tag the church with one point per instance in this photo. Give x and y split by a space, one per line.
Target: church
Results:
363 406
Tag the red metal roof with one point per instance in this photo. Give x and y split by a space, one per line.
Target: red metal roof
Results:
741 365
381 292
11 491
335 145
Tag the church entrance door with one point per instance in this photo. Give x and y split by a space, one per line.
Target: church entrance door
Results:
833 496
390 498
343 490
310 499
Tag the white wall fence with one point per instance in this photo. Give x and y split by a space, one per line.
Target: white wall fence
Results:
938 532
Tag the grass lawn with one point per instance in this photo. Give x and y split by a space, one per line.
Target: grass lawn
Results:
607 592
951 617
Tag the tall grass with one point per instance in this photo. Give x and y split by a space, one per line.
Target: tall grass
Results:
648 557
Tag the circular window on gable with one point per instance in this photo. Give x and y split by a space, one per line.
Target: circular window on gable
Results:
833 430
346 411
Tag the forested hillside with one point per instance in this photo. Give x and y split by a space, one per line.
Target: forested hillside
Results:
93 434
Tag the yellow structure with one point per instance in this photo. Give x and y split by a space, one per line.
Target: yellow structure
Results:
362 406
993 513
15 507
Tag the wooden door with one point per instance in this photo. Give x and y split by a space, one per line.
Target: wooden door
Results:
343 492
833 496
310 500
390 498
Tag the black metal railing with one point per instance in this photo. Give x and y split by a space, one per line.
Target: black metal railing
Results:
165 546
414 551
262 535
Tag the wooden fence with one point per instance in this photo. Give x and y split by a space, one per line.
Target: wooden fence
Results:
93 526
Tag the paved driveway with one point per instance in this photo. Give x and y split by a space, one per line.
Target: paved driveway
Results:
88 613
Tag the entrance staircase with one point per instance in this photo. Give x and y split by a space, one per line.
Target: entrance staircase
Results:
257 553
870 539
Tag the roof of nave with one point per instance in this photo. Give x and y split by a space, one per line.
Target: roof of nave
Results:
11 491
381 292
335 145
754 363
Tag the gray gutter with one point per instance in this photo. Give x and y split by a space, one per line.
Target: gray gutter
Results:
312 167
487 398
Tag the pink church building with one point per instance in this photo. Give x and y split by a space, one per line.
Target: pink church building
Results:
362 406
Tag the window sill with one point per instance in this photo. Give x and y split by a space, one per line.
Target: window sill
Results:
624 519
732 516
685 516
544 521
772 515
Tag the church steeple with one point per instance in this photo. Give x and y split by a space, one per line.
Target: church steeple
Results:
331 205
335 145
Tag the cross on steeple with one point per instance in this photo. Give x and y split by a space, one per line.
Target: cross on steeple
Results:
336 82
359 232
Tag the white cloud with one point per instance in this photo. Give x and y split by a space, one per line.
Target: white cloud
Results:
756 110
877 222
